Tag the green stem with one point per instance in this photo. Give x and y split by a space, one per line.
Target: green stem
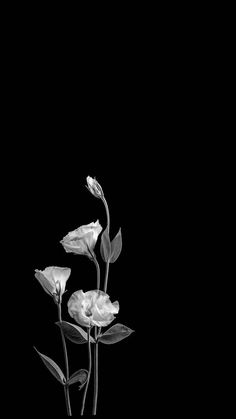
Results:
89 372
66 387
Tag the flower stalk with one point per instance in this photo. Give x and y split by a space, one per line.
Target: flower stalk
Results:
108 230
95 393
89 372
66 387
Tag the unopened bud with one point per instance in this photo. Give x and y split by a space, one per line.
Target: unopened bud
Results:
94 187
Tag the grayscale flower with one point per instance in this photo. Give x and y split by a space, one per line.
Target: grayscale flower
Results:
82 240
92 308
53 279
94 187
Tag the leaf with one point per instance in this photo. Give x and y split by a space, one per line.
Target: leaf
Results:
44 282
53 367
115 334
116 246
74 333
80 375
105 246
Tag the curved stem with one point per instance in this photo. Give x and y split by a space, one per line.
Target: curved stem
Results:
108 230
89 372
66 388
107 213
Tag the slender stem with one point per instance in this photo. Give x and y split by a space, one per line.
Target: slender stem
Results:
107 213
89 372
66 388
108 230
67 399
106 276
98 271
95 394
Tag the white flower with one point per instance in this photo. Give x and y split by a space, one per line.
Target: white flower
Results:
53 279
94 187
83 239
92 308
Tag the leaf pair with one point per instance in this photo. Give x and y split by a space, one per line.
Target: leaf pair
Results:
80 375
76 334
110 251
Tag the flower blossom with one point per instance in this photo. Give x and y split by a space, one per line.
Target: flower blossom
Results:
82 240
53 280
92 308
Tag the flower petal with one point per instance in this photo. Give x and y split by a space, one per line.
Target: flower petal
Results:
61 276
76 308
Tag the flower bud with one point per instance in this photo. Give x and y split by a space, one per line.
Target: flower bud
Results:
94 187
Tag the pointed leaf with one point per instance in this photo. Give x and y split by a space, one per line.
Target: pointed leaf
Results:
116 246
105 246
53 367
74 333
80 375
115 334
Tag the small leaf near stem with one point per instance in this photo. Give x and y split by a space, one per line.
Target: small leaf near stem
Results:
80 375
74 333
105 246
52 367
89 372
115 334
116 246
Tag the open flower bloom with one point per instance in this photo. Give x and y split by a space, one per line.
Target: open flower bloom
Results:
83 239
94 187
92 308
53 280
